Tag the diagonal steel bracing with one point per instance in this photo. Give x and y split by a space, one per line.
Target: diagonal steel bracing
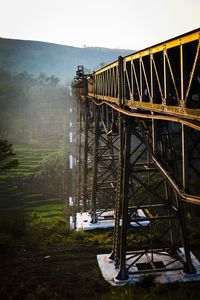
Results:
105 158
98 158
141 151
142 186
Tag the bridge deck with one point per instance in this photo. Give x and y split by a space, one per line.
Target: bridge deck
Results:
164 78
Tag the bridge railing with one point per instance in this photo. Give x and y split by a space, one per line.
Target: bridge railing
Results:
106 83
164 78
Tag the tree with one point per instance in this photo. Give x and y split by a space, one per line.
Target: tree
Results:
6 156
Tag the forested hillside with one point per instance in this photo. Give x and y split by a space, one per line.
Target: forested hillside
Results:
33 110
36 57
33 87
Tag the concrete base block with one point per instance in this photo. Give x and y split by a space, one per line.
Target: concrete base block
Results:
109 272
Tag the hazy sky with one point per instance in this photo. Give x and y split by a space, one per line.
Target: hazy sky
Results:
128 24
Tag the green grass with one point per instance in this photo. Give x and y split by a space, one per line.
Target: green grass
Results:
11 198
41 258
48 261
29 160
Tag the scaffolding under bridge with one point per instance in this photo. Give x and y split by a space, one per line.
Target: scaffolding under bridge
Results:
139 153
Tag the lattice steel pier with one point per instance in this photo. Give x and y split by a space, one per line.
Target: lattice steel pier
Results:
144 111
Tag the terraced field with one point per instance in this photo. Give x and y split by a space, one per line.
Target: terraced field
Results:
11 198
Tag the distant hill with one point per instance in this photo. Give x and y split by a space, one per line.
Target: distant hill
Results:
59 60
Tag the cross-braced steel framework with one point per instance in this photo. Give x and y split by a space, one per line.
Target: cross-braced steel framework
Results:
148 105
98 158
105 160
143 185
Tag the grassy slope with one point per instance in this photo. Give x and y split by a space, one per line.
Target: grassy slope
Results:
68 270
11 198
47 261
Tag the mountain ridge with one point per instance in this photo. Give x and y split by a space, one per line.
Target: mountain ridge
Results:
53 59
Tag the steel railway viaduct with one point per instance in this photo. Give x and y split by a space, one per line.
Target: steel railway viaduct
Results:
139 150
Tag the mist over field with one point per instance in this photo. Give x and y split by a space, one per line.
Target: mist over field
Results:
40 256
34 87
35 101
33 109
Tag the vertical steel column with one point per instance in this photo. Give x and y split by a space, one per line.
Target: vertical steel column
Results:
125 153
115 254
185 158
154 136
188 267
79 140
95 163
120 81
85 160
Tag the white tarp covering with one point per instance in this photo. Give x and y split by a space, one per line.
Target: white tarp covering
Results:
105 220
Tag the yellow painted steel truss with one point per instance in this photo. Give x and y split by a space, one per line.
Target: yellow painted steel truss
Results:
164 78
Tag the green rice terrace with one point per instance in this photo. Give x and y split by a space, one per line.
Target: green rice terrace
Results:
12 198
41 258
